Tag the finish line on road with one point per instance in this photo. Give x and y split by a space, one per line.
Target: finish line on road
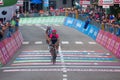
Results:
40 60
52 70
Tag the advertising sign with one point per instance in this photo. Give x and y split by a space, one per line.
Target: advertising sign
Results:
116 1
84 2
19 3
1 2
105 2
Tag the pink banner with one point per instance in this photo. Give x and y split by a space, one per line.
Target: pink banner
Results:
104 38
112 42
116 46
116 1
108 41
99 36
4 52
14 44
17 39
8 46
2 60
20 36
118 50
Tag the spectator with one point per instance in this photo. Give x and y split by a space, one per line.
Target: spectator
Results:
18 15
1 33
16 24
13 23
87 22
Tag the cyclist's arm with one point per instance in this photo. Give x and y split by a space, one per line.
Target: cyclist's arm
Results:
49 39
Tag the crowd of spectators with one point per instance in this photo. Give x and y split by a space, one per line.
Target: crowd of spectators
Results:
97 17
7 28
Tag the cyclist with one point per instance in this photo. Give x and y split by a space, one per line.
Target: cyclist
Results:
54 39
54 42
48 32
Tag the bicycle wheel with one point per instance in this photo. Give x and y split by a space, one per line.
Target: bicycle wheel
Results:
54 56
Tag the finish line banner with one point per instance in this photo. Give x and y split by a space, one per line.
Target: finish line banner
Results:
43 20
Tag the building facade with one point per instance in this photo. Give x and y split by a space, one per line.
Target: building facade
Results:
56 4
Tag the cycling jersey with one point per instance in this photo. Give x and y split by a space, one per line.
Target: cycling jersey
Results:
54 38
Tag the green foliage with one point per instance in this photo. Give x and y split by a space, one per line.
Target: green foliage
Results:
8 3
115 10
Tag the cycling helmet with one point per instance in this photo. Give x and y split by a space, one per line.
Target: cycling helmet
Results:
54 31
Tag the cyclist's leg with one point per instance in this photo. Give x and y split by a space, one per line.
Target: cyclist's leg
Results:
57 48
52 52
54 55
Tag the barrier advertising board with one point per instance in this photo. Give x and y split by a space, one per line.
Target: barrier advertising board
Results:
104 38
93 31
79 25
108 41
116 47
8 46
99 36
112 43
2 60
4 52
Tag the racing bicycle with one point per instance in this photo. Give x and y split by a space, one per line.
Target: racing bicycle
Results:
53 53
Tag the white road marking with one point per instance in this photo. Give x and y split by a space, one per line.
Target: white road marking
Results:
37 25
25 42
37 51
92 42
64 71
64 78
76 51
108 54
65 42
38 42
77 70
43 28
57 25
63 68
78 42
64 75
